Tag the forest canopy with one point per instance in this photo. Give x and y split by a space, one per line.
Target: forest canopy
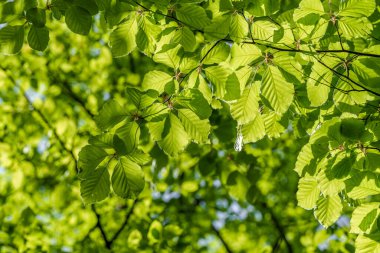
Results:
190 126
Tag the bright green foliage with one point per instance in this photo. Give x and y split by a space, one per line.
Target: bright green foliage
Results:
96 186
196 110
11 39
123 38
127 178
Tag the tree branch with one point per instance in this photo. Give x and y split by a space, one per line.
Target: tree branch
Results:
107 243
278 226
46 121
127 217
217 233
347 78
255 41
70 93
313 52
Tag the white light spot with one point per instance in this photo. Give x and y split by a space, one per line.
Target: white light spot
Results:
239 142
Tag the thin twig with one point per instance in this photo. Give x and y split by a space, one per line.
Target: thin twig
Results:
348 78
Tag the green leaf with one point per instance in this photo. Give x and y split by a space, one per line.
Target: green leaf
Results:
197 129
36 16
308 7
130 135
238 28
273 127
218 75
127 179
254 130
357 8
354 27
196 80
225 5
102 141
352 128
304 159
328 210
38 38
245 76
193 99
318 85
156 80
328 184
174 138
169 57
246 107
156 112
362 185
347 101
123 38
102 4
232 88
244 54
11 39
30 4
219 28
193 15
147 34
368 243
78 20
308 192
110 115
364 217
215 53
263 30
139 157
366 70
289 66
89 158
276 90
141 99
90 5
96 186
185 37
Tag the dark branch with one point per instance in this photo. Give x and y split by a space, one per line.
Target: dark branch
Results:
46 121
278 226
71 94
107 243
313 52
348 78
340 37
125 223
255 41
217 233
